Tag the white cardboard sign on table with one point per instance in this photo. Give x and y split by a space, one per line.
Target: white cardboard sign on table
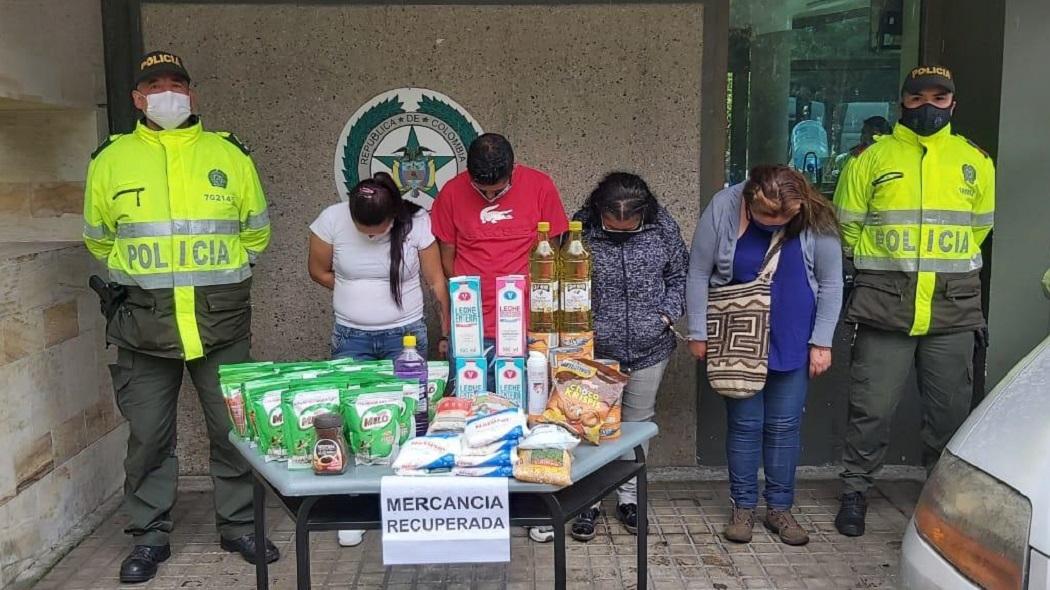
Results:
445 520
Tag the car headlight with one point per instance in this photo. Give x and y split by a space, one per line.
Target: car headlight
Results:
976 522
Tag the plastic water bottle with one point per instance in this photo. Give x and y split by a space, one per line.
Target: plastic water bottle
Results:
539 382
411 365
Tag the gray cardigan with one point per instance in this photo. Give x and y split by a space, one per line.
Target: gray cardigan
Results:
711 265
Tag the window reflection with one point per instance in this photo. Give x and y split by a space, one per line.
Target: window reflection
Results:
811 81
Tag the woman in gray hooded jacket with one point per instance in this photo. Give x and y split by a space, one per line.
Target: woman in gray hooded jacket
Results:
638 274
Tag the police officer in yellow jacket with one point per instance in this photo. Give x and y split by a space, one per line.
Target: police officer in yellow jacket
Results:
178 216
914 208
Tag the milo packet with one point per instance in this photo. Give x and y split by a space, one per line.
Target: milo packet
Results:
374 423
267 414
244 367
300 404
437 380
408 390
251 391
232 386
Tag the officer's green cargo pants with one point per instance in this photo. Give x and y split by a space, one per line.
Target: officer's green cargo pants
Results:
879 371
147 390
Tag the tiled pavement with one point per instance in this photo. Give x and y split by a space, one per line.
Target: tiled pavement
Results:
685 551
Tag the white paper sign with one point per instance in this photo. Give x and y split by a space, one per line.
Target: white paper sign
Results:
445 520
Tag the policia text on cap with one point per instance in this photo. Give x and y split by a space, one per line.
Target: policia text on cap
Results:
178 216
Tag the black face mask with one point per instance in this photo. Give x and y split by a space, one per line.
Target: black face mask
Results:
926 119
618 237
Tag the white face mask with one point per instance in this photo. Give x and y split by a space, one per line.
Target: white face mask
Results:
168 109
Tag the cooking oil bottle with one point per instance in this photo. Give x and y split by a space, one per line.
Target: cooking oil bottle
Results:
574 273
543 287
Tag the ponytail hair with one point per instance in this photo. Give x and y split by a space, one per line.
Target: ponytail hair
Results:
780 190
376 200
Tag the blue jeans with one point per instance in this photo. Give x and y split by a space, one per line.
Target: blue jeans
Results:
765 428
374 345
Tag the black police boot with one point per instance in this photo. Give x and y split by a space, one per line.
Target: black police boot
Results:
850 519
141 564
246 547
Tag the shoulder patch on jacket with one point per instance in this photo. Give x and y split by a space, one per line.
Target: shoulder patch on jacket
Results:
105 144
978 148
233 139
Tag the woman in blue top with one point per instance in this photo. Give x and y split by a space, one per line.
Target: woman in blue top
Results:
729 245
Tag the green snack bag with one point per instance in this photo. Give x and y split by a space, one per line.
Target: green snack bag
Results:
342 362
300 404
437 380
269 422
374 424
246 367
252 391
407 424
232 386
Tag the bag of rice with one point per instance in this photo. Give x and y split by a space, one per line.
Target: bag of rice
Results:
502 471
505 425
496 447
490 403
502 458
549 466
584 395
549 436
450 415
429 453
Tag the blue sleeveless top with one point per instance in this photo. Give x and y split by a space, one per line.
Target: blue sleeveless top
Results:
793 308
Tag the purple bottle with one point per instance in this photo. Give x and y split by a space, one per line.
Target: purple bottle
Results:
411 365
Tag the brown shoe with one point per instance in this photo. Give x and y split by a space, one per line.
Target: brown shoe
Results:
784 524
740 524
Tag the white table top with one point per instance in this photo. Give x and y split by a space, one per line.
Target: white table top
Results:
365 479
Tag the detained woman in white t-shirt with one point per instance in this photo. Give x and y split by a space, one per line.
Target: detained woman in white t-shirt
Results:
371 251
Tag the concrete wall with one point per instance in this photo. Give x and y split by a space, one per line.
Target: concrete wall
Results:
579 89
1019 315
62 435
51 85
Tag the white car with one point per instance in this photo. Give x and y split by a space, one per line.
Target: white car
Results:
983 520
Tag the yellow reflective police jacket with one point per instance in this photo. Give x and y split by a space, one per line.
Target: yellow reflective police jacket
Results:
914 211
178 216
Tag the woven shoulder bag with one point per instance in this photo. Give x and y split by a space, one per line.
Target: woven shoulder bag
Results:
738 330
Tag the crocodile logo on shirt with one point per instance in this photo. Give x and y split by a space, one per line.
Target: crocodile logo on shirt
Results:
418 136
491 215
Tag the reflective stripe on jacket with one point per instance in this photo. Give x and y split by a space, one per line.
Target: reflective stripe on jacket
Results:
173 212
914 212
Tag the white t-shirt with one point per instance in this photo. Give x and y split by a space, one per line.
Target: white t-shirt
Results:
362 298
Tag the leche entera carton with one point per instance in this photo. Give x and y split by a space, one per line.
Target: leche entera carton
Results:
471 377
467 326
510 380
510 316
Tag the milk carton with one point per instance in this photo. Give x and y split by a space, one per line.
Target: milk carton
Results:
510 316
510 380
467 326
471 377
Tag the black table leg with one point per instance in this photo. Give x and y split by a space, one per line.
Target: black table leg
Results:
262 573
558 523
643 521
302 543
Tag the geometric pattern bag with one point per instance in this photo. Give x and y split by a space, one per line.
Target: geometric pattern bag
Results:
738 330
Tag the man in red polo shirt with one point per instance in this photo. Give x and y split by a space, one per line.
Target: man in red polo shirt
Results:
485 218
